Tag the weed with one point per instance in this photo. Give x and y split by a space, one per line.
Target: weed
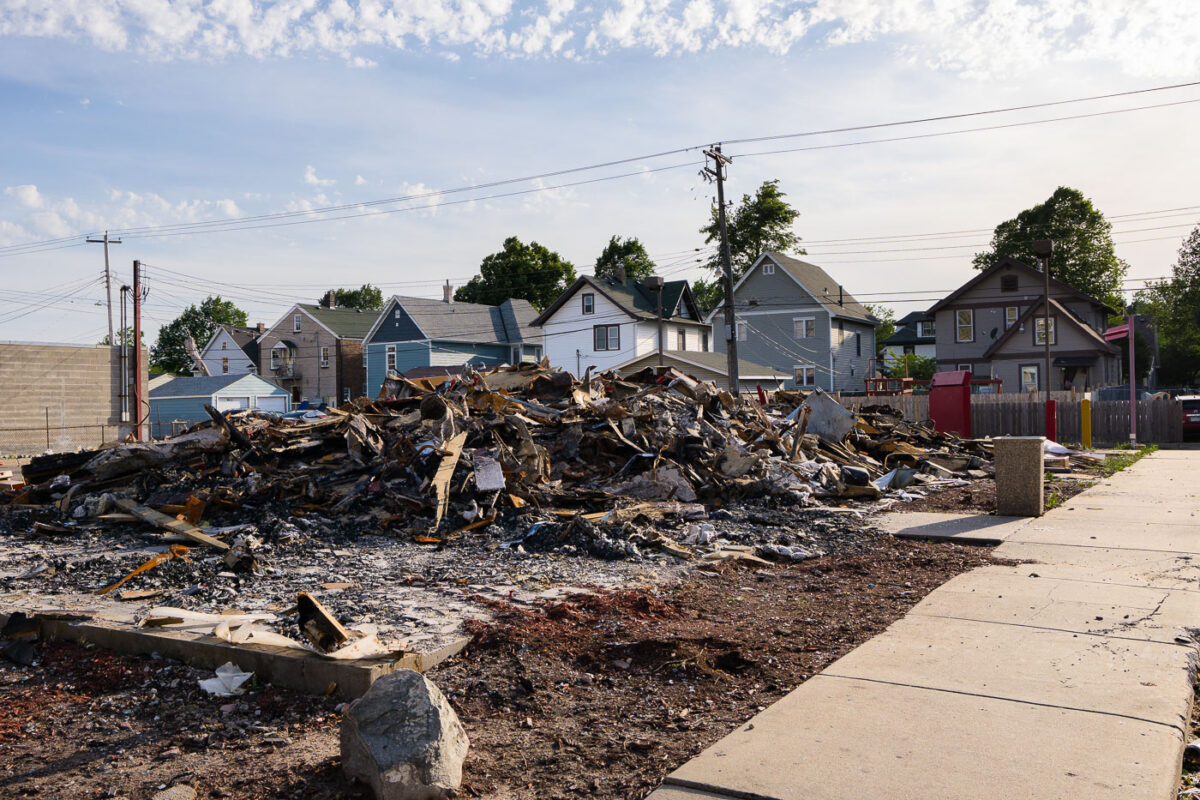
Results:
1114 464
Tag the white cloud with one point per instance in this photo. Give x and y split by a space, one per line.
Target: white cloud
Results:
85 102
359 180
26 194
1153 37
310 177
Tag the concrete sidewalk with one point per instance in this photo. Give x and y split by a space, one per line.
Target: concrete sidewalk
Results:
1066 678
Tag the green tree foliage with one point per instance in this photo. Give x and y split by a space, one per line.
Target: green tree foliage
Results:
169 353
887 325
1083 247
123 338
366 297
760 223
919 367
528 271
628 252
1174 305
707 294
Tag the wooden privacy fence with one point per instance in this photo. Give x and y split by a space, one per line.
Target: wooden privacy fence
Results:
1160 421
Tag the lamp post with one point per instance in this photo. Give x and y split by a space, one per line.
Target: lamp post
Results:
655 284
1042 248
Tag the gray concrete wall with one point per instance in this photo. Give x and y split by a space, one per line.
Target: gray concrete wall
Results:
73 391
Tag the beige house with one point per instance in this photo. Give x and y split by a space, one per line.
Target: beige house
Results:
316 353
709 366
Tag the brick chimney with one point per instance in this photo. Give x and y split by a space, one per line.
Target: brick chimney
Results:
331 299
261 328
447 292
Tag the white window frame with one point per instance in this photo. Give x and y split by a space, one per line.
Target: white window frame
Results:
743 331
345 394
389 358
1037 378
611 335
703 341
804 374
681 338
275 356
958 324
926 327
296 323
225 366
964 368
397 312
804 327
1039 338
768 268
587 303
324 355
224 345
1011 315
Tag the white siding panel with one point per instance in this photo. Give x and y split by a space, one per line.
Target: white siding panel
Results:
569 340
239 362
232 403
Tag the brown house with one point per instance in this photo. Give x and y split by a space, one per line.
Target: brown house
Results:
315 352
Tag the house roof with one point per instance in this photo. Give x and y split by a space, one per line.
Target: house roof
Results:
205 385
817 282
906 330
245 338
714 362
507 323
346 323
633 298
1056 286
914 317
1063 313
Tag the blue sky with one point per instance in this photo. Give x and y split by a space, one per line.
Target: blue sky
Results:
128 114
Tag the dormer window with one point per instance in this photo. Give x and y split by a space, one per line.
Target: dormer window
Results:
1008 283
589 303
925 328
768 268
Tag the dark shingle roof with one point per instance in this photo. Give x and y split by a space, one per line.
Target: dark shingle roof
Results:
633 298
716 362
823 287
507 323
347 323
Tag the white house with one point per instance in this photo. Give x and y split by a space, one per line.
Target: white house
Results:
604 322
915 335
232 350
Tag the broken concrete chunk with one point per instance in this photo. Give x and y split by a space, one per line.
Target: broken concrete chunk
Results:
829 420
404 740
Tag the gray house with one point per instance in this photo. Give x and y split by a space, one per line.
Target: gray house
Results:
992 326
793 317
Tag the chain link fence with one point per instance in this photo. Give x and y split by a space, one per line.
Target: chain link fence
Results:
52 438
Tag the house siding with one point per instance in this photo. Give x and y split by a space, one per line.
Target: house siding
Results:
770 340
852 356
239 362
316 384
568 337
165 410
409 355
451 354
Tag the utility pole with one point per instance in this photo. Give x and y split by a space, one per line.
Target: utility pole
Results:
137 351
1042 248
717 172
655 284
107 282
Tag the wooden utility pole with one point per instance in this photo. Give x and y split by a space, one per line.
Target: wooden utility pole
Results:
107 282
137 351
717 171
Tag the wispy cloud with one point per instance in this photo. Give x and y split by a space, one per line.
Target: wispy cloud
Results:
1154 37
310 177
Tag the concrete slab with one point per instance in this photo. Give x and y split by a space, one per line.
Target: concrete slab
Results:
1097 530
685 793
1142 680
837 738
983 529
1126 566
1008 595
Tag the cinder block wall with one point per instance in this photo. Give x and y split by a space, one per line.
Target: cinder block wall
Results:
75 387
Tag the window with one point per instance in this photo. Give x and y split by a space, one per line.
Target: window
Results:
589 304
296 323
606 337
805 375
224 345
925 328
346 394
963 367
857 346
841 329
681 339
703 341
743 332
1010 316
324 356
1029 378
804 327
225 365
391 358
964 320
1039 331
768 268
1008 283
275 356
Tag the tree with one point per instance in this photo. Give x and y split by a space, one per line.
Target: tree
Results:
887 326
123 338
910 365
169 352
1083 254
624 252
707 294
760 223
1174 305
527 271
366 297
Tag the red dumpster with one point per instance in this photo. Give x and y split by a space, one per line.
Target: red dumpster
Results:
950 402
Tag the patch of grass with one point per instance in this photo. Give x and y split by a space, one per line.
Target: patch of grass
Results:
1114 464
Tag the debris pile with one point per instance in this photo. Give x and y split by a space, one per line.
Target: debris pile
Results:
530 454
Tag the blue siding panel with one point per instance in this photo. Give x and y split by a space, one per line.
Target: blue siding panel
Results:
408 356
396 326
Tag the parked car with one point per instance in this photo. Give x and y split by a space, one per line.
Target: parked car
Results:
305 415
1191 415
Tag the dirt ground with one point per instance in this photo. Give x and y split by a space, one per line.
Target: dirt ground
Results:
598 696
980 495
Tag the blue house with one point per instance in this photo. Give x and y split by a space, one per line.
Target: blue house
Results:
419 332
183 399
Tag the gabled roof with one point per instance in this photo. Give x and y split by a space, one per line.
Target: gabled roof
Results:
814 280
245 338
1061 312
204 386
1056 286
633 298
507 323
714 362
913 317
345 323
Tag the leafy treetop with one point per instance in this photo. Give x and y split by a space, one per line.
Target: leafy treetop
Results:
1174 306
366 297
528 271
169 352
627 252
